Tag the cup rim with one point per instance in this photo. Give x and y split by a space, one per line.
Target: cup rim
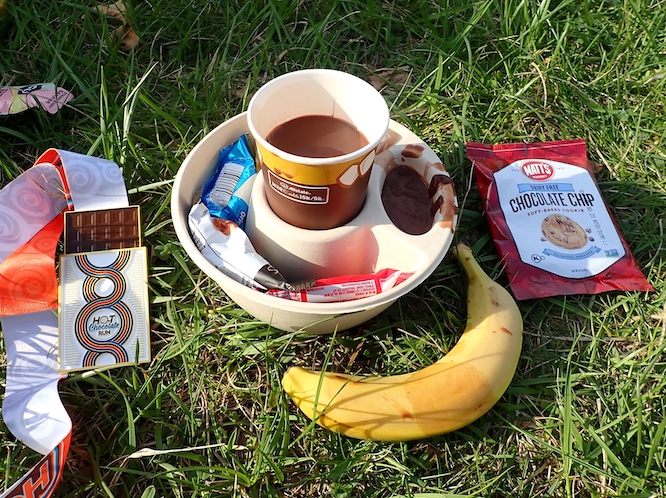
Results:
317 161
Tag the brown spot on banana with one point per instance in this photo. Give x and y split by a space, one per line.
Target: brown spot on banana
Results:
494 298
328 422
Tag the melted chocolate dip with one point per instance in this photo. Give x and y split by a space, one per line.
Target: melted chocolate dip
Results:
407 201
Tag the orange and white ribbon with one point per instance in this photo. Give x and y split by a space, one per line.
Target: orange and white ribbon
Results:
31 222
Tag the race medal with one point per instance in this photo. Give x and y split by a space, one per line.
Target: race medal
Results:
103 319
31 219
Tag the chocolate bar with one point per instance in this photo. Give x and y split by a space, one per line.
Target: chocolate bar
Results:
102 230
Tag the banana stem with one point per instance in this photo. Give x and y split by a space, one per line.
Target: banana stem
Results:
464 254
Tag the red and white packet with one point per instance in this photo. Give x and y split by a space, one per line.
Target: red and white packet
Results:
346 288
549 221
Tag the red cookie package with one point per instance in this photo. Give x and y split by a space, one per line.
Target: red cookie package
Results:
549 221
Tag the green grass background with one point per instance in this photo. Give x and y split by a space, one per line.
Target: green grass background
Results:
584 415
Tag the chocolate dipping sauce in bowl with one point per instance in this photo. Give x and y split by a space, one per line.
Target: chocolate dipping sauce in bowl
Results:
316 132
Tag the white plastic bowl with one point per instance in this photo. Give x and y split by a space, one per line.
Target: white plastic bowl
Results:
370 242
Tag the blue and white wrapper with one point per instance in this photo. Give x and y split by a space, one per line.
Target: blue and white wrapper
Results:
221 193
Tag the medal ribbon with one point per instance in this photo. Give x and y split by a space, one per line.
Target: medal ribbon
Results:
31 222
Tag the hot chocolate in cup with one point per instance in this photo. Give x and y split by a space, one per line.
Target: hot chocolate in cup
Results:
316 132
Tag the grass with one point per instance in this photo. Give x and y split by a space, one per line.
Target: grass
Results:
584 416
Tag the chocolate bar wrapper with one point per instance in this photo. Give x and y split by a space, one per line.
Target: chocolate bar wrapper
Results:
227 247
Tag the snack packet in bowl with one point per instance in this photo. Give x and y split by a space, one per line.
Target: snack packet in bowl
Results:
226 194
549 221
345 288
227 247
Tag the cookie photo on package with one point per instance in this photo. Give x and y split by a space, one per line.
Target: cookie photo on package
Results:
549 221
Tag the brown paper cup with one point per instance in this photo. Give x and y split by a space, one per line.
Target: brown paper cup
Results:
308 192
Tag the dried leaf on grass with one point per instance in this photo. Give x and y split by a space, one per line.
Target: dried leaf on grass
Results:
388 79
129 39
240 90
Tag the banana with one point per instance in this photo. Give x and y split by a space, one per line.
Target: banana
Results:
440 398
